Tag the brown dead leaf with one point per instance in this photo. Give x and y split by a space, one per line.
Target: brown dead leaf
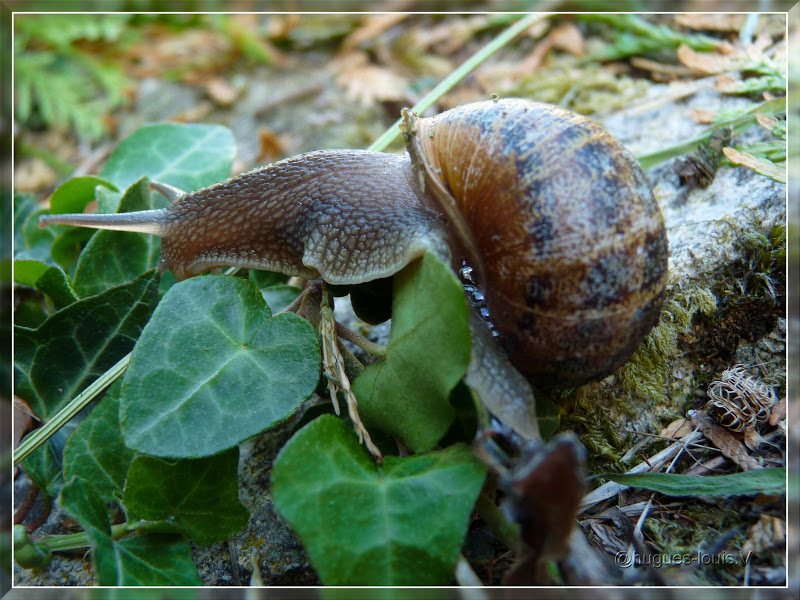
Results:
724 440
705 62
701 116
221 92
778 412
192 115
752 439
33 175
271 145
368 83
766 533
726 84
280 26
668 72
372 26
678 429
768 122
711 22
544 497
759 165
569 38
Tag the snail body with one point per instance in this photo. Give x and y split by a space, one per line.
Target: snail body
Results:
555 221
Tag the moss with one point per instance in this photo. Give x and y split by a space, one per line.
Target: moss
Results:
751 299
590 412
646 374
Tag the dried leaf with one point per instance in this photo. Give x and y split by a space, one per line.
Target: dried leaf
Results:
724 440
368 83
569 38
701 116
678 429
271 145
759 165
752 439
711 22
660 69
726 84
544 498
705 62
778 412
372 26
221 92
767 532
768 122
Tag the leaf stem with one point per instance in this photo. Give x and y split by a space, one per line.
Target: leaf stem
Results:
81 539
359 340
503 529
44 433
460 73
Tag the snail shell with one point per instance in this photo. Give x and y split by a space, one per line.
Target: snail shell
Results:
560 224
557 220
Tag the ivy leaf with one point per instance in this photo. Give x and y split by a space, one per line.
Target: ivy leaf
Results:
30 242
28 271
58 359
429 348
401 523
187 156
200 495
73 195
95 451
279 296
113 257
747 483
213 369
149 559
55 283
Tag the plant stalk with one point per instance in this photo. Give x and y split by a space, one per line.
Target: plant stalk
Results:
44 433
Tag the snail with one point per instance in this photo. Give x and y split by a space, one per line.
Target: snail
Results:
550 221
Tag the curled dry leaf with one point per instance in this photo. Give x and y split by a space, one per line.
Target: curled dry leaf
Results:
271 145
711 22
221 92
759 165
368 83
767 532
778 413
544 497
705 62
724 440
371 27
768 122
569 38
678 429
704 117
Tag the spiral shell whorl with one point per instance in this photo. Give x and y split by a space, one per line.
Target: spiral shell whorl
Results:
569 238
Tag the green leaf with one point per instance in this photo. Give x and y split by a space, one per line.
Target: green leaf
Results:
407 394
79 343
28 271
68 244
200 495
401 523
55 283
113 257
73 195
747 483
213 369
187 156
279 296
149 559
95 451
